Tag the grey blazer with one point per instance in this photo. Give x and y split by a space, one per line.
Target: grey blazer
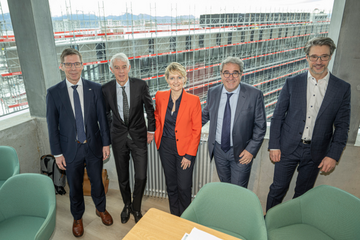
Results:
249 123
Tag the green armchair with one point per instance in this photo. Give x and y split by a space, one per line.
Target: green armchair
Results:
322 213
27 207
9 163
230 209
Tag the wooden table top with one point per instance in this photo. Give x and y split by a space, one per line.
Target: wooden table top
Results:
156 224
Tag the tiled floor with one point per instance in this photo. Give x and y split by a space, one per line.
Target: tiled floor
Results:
93 227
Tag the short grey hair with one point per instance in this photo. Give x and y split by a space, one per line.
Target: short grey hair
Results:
320 41
121 57
234 60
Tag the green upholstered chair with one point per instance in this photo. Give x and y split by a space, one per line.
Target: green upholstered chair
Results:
230 209
27 207
322 213
9 163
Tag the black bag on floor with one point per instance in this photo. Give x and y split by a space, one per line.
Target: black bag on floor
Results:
48 166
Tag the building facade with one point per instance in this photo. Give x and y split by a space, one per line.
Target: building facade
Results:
270 44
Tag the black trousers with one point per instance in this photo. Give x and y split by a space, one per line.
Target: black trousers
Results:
178 181
284 171
75 177
122 158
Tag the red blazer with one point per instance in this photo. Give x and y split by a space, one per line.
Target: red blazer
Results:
188 122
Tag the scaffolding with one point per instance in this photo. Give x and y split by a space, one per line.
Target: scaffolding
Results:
270 44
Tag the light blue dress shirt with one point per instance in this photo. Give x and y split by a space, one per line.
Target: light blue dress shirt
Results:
233 103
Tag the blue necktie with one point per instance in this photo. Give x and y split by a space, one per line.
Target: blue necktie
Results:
225 134
78 116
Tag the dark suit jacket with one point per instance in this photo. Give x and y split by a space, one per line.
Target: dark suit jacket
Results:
61 120
188 122
288 121
249 123
139 97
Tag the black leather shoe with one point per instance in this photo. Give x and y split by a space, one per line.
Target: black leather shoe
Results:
125 214
60 190
137 215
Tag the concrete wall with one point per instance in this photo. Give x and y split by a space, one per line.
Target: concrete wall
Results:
344 30
28 136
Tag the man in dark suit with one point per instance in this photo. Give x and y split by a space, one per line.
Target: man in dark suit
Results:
125 99
310 124
79 134
237 123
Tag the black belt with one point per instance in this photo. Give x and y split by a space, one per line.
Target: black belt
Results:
81 142
305 141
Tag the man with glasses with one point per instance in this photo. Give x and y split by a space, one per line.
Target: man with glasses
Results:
79 134
310 124
237 123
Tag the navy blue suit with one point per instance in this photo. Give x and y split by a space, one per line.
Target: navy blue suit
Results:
62 137
287 124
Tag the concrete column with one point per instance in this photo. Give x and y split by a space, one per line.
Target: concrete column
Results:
32 24
345 31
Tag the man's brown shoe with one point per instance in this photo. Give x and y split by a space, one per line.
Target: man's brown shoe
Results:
78 229
105 217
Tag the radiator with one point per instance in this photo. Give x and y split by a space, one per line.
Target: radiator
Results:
156 186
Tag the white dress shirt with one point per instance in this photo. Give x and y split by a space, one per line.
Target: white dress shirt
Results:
80 90
314 96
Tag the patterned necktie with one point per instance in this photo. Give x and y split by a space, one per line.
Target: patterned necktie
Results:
125 106
225 134
78 116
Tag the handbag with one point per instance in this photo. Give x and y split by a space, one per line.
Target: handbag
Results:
87 185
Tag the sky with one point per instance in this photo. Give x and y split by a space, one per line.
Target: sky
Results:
183 7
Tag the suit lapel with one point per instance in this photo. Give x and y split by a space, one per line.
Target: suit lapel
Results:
113 94
330 95
216 100
133 93
241 101
183 104
87 99
302 88
64 96
164 105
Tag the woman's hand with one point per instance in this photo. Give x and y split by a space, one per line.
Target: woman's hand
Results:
185 163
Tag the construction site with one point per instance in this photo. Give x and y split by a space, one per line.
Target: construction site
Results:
270 44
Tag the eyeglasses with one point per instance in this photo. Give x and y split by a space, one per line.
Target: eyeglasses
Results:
234 74
314 58
69 65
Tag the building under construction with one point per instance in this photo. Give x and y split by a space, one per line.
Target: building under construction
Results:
270 44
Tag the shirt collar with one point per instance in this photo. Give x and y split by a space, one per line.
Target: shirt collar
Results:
69 84
325 79
236 91
177 100
119 86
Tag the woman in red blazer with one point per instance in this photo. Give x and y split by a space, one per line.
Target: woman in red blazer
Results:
177 136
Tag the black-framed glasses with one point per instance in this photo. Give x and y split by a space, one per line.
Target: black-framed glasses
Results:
234 74
69 65
314 58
